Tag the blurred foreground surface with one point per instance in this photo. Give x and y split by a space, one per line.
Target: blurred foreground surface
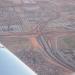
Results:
15 66
23 22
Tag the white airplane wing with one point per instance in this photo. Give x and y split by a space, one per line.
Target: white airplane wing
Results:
11 65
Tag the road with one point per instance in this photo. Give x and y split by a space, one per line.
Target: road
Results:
55 54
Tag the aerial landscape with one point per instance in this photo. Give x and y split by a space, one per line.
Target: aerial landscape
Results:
41 33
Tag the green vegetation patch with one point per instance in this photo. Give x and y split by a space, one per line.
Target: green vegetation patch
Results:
70 41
